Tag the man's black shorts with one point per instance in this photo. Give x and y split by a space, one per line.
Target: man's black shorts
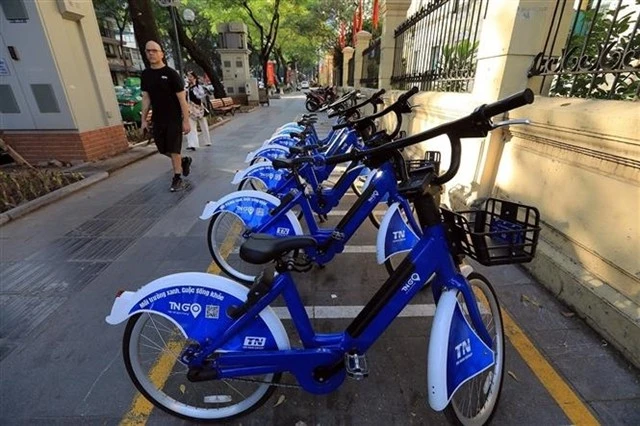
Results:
168 137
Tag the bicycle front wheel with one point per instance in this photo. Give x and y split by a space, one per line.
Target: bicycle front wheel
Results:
225 236
476 400
151 348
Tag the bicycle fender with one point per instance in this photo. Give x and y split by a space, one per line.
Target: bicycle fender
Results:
197 304
456 353
395 235
294 126
262 171
253 207
269 152
283 140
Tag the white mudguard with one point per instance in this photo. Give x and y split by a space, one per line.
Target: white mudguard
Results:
197 304
262 171
395 235
253 208
456 353
268 152
283 140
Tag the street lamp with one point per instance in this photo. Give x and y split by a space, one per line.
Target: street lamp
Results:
188 16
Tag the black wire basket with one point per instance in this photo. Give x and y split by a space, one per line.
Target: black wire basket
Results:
431 159
502 233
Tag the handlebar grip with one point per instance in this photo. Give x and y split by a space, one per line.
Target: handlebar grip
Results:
405 96
512 102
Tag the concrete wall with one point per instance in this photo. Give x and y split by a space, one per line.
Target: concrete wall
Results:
578 163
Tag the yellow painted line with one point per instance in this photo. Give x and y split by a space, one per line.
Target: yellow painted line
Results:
141 408
159 373
569 402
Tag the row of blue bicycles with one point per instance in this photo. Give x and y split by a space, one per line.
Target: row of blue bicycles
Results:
225 347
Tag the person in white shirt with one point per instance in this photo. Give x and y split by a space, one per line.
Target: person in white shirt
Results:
196 98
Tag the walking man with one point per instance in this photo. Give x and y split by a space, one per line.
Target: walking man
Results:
163 91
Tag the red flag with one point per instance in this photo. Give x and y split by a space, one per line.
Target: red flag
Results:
354 30
374 19
360 11
342 36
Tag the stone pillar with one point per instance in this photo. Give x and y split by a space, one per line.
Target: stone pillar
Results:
347 54
513 33
392 14
362 42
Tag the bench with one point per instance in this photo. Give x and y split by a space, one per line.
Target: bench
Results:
228 102
218 106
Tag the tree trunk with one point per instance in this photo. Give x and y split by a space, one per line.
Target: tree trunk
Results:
144 25
202 60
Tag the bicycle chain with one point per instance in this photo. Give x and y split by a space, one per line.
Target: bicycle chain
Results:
280 385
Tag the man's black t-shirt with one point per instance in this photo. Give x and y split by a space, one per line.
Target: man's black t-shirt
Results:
162 84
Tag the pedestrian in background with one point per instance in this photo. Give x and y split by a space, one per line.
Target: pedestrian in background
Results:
163 92
198 112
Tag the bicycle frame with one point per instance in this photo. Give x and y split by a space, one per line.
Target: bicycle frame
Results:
318 366
332 241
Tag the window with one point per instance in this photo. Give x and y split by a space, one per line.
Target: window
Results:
230 90
45 98
227 64
14 10
238 64
8 104
242 90
109 50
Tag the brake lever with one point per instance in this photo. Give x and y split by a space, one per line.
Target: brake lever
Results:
510 122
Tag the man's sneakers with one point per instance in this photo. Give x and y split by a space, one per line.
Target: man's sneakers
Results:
186 166
176 183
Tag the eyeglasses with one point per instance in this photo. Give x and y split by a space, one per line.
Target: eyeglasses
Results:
153 50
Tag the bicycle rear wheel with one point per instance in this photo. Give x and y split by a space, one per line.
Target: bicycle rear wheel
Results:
151 348
225 236
476 400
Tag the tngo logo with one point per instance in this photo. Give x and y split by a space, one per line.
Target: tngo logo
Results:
415 278
254 342
194 308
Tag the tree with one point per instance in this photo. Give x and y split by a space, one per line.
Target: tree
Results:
118 10
201 58
144 24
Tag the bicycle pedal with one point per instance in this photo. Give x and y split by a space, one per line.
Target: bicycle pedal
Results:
356 366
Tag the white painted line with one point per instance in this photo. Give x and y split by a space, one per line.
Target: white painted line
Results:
341 213
347 249
350 312
359 249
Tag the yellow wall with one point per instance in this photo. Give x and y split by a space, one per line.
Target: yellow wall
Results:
82 65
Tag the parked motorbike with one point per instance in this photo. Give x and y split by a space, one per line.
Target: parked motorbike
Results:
317 98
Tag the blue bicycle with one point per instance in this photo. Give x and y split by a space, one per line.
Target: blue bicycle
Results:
240 214
226 350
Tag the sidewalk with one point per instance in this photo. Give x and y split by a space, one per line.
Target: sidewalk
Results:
93 171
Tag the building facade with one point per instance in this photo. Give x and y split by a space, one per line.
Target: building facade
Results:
56 93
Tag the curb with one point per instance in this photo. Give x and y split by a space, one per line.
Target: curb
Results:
94 177
49 198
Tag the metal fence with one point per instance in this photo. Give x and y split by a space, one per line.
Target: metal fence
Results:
600 56
436 47
371 65
351 69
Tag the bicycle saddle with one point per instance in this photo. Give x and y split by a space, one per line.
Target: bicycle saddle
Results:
263 248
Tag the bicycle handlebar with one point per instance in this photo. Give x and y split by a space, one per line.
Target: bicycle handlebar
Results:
402 99
344 98
347 112
476 124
